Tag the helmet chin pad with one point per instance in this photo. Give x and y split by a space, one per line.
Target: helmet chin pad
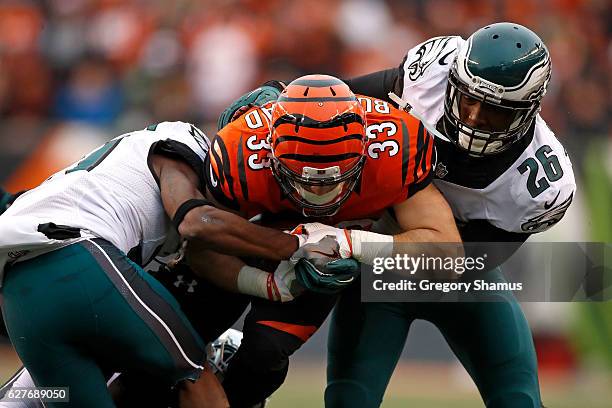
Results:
319 199
478 146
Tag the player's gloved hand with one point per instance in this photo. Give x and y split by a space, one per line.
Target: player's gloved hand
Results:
282 285
5 200
313 233
331 278
268 92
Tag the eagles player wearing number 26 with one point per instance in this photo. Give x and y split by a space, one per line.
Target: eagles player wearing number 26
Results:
505 176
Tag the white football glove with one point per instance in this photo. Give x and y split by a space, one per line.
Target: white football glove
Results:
311 234
282 285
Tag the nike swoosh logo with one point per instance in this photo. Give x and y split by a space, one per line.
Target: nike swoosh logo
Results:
442 60
334 254
547 205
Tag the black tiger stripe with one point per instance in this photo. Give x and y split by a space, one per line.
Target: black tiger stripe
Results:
216 190
318 83
319 158
220 175
318 99
405 151
415 187
227 171
242 172
288 138
223 175
425 160
419 153
307 122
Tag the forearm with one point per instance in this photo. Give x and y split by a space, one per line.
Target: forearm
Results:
228 233
219 269
427 228
377 84
233 274
439 242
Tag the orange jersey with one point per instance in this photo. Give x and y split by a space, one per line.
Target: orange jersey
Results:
398 164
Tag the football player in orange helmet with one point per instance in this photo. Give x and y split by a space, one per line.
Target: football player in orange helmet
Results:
317 183
321 152
505 175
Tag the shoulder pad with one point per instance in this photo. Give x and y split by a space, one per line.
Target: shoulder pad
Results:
185 133
545 183
430 57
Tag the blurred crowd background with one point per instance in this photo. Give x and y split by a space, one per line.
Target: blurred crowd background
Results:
115 65
74 73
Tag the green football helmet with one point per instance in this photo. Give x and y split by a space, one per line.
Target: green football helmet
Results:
506 67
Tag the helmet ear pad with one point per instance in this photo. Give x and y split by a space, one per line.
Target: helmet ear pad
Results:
506 68
317 138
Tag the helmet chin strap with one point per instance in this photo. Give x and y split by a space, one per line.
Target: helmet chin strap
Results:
405 106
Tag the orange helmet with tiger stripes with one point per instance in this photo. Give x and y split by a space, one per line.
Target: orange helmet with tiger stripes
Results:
318 141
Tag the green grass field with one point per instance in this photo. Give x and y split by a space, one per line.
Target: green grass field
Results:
417 386
442 386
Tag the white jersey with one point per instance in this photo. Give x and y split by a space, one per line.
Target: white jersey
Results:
527 191
112 193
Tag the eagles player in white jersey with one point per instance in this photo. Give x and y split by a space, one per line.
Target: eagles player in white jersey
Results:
505 176
77 304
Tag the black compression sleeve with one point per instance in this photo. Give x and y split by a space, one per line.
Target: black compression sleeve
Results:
377 84
482 231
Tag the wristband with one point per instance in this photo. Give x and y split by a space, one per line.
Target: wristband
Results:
367 246
253 281
184 208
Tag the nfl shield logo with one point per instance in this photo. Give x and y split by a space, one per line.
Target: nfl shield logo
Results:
441 170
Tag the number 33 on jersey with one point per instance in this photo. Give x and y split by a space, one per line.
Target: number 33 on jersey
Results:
399 159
